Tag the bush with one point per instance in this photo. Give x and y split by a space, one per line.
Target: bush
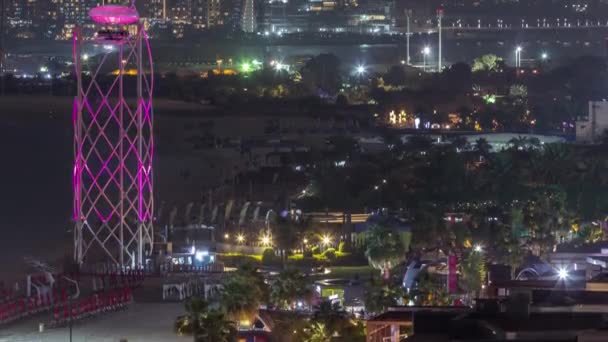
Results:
268 257
315 250
343 247
307 253
330 254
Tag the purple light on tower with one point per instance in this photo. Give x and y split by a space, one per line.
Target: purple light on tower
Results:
113 140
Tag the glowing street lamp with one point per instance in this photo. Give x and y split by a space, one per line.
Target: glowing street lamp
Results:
544 56
240 238
360 70
265 240
326 240
518 51
425 52
226 236
246 67
478 248
562 273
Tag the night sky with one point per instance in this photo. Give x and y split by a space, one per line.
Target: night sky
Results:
35 184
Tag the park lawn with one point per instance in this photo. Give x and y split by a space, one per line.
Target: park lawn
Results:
226 256
347 272
318 257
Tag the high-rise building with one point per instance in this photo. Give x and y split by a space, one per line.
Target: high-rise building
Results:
249 19
155 10
232 14
213 13
73 13
181 12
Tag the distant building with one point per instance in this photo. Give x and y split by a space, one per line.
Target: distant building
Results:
593 127
249 19
213 13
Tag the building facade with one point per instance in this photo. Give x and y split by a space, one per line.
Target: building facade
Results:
593 128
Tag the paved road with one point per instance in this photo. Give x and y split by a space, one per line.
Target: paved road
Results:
142 322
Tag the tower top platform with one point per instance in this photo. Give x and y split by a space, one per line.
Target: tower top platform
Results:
114 15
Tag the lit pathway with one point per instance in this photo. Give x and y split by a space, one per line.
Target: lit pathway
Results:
146 322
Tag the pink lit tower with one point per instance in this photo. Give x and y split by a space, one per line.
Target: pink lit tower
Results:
113 140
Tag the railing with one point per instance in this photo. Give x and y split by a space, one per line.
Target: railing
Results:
209 268
72 310
112 292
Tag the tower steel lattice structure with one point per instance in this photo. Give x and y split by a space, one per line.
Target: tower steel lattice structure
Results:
113 140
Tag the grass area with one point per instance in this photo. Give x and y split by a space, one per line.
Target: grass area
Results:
317 257
256 257
347 272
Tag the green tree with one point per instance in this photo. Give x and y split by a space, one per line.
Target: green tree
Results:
242 293
190 324
482 147
203 324
290 285
215 327
489 63
322 72
381 295
384 249
317 332
472 271
332 316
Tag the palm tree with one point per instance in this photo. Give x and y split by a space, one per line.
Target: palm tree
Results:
385 249
243 292
332 316
317 333
381 295
482 147
216 328
196 310
290 285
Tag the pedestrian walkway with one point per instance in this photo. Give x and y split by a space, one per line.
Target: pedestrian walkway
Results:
141 322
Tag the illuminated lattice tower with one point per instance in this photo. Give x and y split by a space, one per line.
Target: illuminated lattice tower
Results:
113 140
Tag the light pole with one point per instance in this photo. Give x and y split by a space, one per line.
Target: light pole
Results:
425 52
2 19
408 14
439 18
360 70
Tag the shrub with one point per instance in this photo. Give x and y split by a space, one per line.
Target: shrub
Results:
268 257
315 250
307 253
330 254
343 247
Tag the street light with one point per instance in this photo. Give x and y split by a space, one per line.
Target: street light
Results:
544 56
326 239
360 70
425 52
562 273
518 50
265 239
246 67
240 238
478 248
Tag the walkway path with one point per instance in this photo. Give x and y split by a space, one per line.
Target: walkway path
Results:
141 322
